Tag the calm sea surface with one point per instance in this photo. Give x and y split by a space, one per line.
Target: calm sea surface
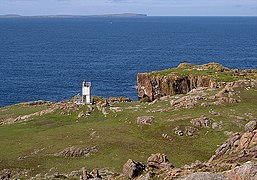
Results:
48 58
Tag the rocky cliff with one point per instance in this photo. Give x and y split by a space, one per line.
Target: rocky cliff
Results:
155 87
184 78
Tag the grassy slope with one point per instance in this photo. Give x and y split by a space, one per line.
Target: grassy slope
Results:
117 138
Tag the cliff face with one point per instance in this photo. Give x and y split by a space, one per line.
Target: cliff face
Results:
186 77
155 87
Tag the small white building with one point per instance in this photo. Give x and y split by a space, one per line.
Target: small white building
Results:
87 97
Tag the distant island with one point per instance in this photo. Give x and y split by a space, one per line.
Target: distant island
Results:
74 16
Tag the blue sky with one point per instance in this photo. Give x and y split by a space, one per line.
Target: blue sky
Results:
150 7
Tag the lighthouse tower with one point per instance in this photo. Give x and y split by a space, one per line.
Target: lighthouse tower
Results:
87 93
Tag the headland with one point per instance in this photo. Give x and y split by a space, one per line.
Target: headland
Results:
191 122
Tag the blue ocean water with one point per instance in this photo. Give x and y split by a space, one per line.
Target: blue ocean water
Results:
48 58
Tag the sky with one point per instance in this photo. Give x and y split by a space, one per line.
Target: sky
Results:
149 7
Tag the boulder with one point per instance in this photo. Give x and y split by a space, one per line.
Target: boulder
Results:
145 119
178 131
190 131
251 126
214 113
217 125
168 137
204 176
85 175
202 122
116 109
81 114
248 171
159 161
133 169
95 174
91 108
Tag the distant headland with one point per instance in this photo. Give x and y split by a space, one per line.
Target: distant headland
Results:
74 16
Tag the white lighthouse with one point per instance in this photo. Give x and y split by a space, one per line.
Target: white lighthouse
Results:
87 97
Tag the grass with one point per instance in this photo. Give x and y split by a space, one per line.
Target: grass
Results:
117 136
19 110
186 71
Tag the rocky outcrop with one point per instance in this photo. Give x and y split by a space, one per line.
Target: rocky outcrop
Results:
202 122
188 131
82 114
6 174
155 87
65 107
187 102
248 171
251 126
27 117
111 100
243 145
158 161
37 103
133 169
217 125
76 152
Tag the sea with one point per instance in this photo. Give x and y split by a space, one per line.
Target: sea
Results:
48 58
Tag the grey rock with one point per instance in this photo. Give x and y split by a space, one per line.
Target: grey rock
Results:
159 161
190 131
76 151
145 119
81 114
251 126
203 176
202 122
178 131
217 125
133 169
248 171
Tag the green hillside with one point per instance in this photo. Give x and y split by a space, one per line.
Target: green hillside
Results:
32 144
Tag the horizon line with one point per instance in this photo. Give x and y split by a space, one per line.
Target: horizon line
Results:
119 15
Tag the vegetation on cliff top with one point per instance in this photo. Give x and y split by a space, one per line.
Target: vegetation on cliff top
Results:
213 70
